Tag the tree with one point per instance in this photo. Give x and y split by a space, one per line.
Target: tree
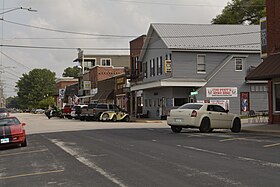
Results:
71 72
12 102
241 12
34 87
46 102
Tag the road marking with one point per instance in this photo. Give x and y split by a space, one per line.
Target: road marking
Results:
27 152
31 174
244 138
204 150
272 145
87 162
264 163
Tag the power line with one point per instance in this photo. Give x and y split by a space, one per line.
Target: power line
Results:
121 48
177 4
125 36
69 32
14 60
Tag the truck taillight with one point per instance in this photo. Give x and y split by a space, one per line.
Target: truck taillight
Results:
194 113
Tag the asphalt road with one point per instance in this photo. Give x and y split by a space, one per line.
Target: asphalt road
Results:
134 154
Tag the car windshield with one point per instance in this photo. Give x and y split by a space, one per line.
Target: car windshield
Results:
191 106
9 121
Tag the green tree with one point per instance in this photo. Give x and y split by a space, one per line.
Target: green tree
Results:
241 11
34 87
12 102
46 102
71 72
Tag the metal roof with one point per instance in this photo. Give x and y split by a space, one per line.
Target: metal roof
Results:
209 36
267 70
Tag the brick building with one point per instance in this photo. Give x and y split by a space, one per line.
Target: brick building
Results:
61 84
93 76
269 69
136 75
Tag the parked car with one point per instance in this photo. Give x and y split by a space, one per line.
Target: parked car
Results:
76 111
94 111
66 112
114 115
39 111
4 112
12 132
204 116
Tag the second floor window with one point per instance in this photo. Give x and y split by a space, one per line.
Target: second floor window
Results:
89 63
145 69
106 62
201 67
159 65
238 64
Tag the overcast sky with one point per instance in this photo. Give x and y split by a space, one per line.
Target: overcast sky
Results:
129 18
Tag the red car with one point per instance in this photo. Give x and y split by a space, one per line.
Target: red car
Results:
12 132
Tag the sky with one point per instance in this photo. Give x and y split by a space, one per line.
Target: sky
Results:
29 40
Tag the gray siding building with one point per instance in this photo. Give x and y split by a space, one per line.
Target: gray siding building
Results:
200 63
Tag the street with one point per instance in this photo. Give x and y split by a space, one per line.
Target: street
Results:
63 152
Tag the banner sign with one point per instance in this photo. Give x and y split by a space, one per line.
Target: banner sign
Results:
223 103
221 92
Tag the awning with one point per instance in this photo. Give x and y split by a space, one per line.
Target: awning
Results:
267 70
103 95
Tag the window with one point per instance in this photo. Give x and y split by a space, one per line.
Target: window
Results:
238 64
159 66
105 62
277 97
153 67
145 67
89 63
201 64
258 88
136 66
218 108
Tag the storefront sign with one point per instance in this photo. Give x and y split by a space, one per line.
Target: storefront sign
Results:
167 66
87 85
221 92
223 103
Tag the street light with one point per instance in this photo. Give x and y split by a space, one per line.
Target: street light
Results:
18 8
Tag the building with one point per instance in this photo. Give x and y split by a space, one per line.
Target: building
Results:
91 80
136 97
113 90
269 69
200 63
61 84
95 68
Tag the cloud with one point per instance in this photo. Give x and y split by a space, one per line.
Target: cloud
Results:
115 17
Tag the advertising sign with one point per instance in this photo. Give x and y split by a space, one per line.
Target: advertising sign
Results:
221 92
263 36
244 102
167 66
223 103
61 93
87 85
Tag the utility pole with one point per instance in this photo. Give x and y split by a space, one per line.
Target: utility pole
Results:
2 97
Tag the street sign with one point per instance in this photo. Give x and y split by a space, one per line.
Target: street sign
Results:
194 93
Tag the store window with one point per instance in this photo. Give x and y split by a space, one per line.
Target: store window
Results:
277 97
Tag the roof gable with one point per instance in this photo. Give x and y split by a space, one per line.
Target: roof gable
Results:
206 37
